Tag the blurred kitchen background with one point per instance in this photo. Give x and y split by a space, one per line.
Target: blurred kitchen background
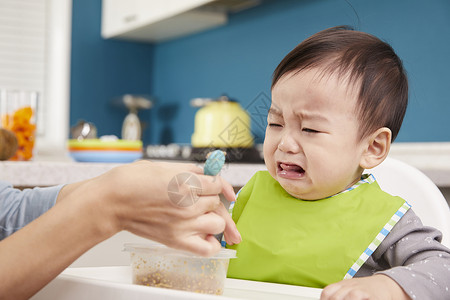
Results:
234 54
238 58
172 51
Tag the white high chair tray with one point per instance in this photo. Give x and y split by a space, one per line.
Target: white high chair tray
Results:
114 283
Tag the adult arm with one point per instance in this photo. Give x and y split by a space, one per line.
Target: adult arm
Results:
131 197
20 207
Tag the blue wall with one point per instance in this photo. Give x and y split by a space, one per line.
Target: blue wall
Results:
102 70
239 58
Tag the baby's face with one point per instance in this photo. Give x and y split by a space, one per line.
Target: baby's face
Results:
312 147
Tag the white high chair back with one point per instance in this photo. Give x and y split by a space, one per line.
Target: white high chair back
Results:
400 179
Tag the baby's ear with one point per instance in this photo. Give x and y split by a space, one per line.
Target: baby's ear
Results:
377 148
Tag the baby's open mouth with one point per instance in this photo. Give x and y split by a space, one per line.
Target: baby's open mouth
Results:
289 170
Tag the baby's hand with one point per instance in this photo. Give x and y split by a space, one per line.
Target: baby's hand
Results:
377 287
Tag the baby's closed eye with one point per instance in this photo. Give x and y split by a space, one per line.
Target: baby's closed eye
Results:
275 125
310 130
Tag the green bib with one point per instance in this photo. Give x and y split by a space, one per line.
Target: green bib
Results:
304 242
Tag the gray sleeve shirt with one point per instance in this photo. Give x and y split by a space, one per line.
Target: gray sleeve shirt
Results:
413 256
20 207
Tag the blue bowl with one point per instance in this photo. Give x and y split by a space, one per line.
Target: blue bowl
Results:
106 156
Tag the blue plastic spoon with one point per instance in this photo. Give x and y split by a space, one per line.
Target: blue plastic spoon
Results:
214 163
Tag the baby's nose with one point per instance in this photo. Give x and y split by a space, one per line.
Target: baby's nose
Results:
289 144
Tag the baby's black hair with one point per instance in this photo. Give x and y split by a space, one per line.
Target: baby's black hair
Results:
370 64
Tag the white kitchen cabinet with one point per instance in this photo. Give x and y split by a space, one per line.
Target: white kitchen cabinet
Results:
157 20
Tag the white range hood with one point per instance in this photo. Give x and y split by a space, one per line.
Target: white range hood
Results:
157 21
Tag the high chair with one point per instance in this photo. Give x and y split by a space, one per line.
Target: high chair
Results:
400 179
113 280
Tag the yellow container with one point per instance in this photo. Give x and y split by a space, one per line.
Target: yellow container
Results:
222 124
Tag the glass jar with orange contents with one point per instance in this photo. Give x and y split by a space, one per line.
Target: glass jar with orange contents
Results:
18 114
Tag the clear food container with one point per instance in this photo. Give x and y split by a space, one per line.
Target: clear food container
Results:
156 265
18 114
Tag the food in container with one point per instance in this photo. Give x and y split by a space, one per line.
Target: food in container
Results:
18 114
159 266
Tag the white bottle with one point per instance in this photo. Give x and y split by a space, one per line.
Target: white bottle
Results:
131 128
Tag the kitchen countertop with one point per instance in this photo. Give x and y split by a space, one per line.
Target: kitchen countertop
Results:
433 159
48 173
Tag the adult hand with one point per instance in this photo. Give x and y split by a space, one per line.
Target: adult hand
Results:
174 204
131 197
376 287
